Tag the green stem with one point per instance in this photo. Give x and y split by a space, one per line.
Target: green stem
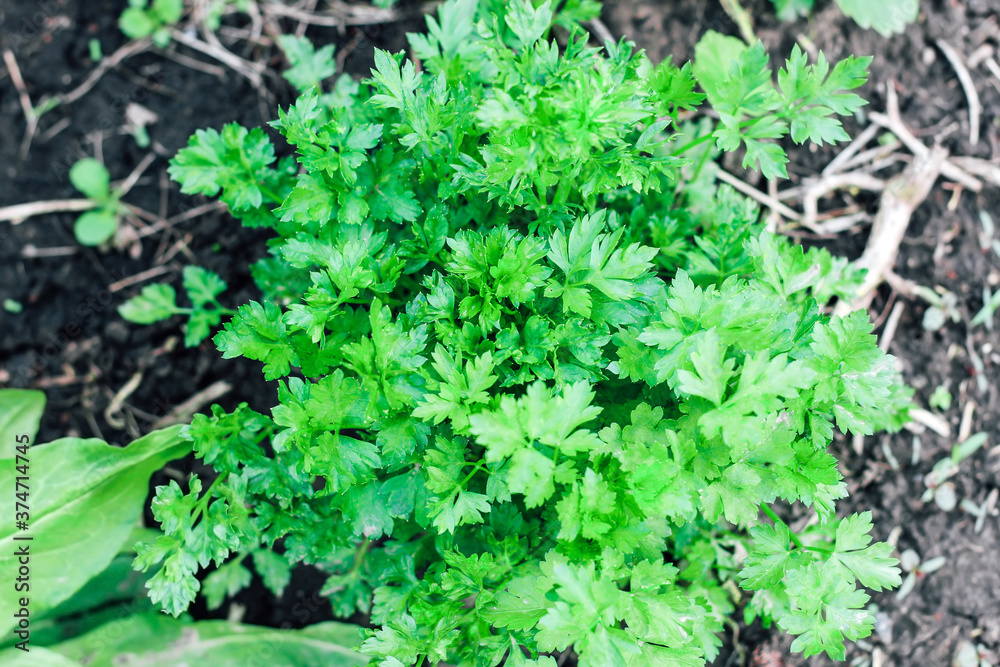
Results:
774 517
359 558
202 505
479 466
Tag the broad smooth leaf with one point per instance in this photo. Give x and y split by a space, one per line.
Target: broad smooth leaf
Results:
91 178
714 54
95 227
37 657
84 496
157 640
885 17
20 414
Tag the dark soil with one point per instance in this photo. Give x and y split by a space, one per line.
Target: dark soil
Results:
69 340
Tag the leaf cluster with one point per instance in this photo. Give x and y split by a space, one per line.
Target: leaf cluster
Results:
145 18
536 373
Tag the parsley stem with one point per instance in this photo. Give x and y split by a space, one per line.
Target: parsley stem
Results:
359 558
479 466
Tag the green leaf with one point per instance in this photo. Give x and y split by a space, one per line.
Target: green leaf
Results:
258 332
95 227
91 178
273 569
136 23
770 556
20 416
156 640
826 609
308 67
528 22
90 512
714 55
886 18
37 657
789 10
225 582
872 565
155 303
711 373
202 285
520 606
168 11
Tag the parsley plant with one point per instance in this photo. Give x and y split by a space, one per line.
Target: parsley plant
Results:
537 374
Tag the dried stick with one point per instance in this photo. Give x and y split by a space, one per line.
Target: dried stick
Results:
341 14
993 67
931 421
984 169
130 49
757 195
975 106
892 122
30 117
18 213
186 410
227 58
816 189
598 28
138 278
890 326
859 142
901 196
132 178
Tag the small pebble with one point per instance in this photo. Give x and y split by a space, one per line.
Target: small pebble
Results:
928 56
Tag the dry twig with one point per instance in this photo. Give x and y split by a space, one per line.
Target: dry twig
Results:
139 277
901 196
342 14
18 213
757 195
185 411
890 326
30 117
251 71
827 184
130 49
860 141
892 121
975 106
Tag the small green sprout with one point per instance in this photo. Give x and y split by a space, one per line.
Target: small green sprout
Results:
940 399
97 226
886 17
159 302
143 19
943 307
991 303
308 67
910 561
941 491
96 53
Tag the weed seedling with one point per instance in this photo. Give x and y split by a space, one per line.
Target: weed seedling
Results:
99 225
144 19
159 302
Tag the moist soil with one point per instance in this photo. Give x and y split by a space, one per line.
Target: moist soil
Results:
69 340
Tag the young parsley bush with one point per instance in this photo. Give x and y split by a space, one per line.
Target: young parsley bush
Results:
537 374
